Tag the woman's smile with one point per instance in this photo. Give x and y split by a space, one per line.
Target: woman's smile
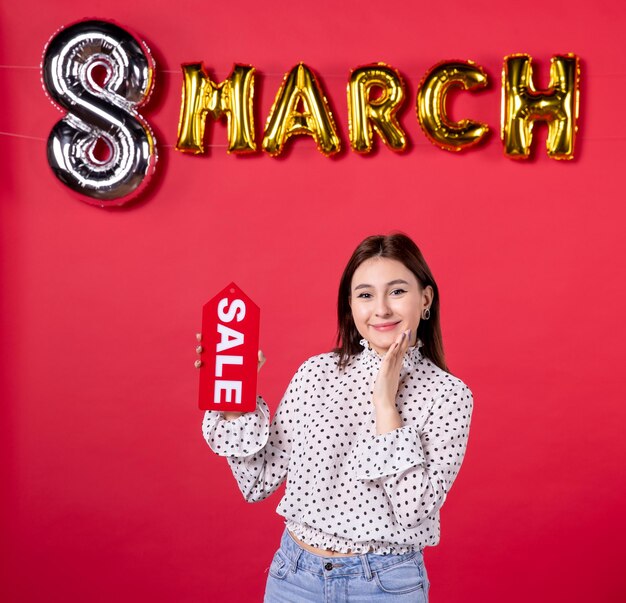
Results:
386 326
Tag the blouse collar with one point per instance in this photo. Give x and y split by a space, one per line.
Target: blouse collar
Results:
410 360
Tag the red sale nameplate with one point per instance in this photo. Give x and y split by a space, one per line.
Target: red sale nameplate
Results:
230 343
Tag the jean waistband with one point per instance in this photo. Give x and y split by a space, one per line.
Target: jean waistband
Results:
365 564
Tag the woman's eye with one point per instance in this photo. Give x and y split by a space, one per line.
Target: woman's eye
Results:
398 291
364 295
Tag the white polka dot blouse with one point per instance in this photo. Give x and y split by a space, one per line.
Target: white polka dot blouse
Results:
349 489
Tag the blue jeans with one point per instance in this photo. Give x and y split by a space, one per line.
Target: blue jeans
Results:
297 576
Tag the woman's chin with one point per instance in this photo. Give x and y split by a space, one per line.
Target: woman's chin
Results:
381 346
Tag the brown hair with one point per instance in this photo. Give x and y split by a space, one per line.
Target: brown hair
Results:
398 247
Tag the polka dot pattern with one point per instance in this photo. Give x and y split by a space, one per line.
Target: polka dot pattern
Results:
349 489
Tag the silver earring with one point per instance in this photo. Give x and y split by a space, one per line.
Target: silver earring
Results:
426 313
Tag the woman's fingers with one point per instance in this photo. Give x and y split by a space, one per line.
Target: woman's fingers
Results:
393 357
404 346
400 345
386 384
199 350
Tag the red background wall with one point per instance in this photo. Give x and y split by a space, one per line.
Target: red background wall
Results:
109 491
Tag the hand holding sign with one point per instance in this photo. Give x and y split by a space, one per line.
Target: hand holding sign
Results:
229 360
229 416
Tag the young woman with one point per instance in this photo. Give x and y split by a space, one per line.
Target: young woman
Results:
370 438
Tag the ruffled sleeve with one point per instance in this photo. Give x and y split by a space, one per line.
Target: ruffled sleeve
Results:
415 467
258 451
238 438
388 454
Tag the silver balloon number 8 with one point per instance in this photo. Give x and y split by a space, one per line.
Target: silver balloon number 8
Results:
100 74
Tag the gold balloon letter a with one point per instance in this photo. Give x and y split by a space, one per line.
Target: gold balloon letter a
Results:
285 120
380 112
522 105
232 97
431 105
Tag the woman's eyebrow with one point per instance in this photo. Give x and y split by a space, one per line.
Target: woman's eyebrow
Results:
398 281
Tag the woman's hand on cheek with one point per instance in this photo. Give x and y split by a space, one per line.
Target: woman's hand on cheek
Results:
386 385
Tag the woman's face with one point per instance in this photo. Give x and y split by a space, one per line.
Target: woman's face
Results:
386 299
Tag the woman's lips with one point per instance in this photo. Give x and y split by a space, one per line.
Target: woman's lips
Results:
385 326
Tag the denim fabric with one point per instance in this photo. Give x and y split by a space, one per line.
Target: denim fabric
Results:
296 576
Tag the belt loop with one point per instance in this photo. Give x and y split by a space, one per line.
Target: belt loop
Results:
367 570
294 562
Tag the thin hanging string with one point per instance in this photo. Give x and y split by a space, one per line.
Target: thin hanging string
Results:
160 146
168 71
177 71
282 73
326 76
419 143
15 135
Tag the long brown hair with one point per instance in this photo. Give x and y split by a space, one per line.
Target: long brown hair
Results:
398 247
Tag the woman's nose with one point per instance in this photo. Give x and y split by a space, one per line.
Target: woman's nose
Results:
382 307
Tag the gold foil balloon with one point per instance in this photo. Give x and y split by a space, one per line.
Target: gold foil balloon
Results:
522 105
300 86
431 105
201 97
367 113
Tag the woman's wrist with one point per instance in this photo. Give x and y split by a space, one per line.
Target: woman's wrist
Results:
387 418
231 416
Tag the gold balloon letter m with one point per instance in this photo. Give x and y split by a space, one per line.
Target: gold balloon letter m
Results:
232 97
522 105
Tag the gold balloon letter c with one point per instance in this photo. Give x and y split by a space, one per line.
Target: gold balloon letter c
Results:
431 105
